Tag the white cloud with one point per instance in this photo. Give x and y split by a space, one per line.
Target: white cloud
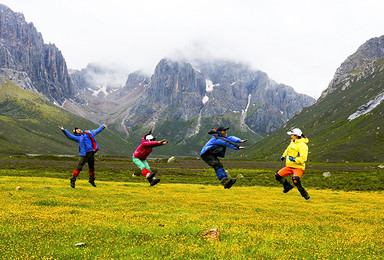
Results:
299 43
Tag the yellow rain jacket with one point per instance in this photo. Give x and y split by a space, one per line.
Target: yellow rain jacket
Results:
299 150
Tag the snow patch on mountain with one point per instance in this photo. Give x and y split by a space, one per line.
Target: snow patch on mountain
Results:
366 108
102 89
209 85
205 99
243 125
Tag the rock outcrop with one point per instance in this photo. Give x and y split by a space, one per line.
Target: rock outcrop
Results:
367 53
180 90
22 49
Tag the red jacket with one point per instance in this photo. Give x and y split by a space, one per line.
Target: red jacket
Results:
145 148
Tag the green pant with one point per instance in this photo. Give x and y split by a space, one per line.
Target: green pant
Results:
142 164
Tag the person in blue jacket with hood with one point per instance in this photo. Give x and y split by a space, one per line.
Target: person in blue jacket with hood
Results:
87 149
215 148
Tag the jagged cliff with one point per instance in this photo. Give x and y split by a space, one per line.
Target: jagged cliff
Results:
346 123
26 60
181 100
365 55
179 91
103 94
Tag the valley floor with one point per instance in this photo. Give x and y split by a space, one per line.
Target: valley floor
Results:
341 176
44 218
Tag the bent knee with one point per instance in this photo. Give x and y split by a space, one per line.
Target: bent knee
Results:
277 176
296 180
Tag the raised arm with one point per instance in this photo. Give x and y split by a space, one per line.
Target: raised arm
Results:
69 135
98 130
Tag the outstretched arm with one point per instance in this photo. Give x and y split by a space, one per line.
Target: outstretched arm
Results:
163 141
243 141
69 135
222 141
95 132
154 143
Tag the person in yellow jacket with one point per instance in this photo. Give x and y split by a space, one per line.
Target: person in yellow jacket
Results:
295 155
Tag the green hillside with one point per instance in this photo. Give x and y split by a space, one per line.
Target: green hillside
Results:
29 125
334 138
182 142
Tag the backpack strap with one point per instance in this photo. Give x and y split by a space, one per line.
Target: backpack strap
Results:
94 146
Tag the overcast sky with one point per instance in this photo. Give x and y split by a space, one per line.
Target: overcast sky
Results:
299 43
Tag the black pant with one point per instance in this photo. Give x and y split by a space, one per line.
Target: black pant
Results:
88 158
212 160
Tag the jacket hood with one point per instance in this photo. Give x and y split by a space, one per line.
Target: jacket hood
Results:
303 140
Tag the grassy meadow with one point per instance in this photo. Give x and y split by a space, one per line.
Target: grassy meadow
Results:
124 218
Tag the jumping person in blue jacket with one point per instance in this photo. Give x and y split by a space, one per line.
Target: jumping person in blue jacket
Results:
87 149
215 148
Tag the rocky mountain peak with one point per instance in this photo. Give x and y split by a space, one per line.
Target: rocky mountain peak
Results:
173 81
22 49
135 79
367 53
181 91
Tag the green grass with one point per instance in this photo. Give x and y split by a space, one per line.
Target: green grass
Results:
344 176
45 219
124 218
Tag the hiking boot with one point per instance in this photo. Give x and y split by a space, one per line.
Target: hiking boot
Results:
228 184
92 181
73 180
153 181
287 186
305 194
150 175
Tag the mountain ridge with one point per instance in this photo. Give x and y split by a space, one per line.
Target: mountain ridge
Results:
181 100
22 49
344 125
365 55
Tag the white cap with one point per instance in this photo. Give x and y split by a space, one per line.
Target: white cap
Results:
149 137
295 131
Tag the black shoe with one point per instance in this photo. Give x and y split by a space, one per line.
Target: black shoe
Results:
305 194
154 181
73 180
92 181
286 184
228 184
150 176
287 188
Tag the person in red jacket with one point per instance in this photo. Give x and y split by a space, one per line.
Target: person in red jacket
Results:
140 156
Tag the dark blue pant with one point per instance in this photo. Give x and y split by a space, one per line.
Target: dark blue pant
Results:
213 161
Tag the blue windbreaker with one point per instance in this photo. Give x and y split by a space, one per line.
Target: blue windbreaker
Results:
218 144
85 142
